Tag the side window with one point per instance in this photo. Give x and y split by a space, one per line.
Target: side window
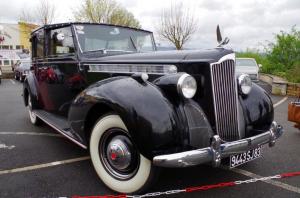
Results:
61 42
40 44
38 41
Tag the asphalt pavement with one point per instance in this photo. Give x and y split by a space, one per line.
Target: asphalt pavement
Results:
28 153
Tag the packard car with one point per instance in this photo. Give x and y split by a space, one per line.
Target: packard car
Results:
107 89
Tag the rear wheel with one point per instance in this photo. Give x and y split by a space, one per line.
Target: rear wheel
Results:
33 118
115 158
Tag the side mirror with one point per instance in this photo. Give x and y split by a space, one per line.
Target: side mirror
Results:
60 36
259 65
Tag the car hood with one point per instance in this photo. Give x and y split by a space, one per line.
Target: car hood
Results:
174 56
246 70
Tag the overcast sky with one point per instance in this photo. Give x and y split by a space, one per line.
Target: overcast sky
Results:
247 23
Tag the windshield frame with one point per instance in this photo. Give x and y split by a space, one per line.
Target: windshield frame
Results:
73 27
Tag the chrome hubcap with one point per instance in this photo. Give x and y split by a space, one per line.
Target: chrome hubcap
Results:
118 155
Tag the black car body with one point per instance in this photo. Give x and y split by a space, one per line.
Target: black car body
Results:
87 77
0 74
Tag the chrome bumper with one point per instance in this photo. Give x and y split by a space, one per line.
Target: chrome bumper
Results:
217 151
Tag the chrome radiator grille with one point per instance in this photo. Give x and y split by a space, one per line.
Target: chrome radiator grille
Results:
225 99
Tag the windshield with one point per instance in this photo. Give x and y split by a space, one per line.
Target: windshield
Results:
110 38
245 63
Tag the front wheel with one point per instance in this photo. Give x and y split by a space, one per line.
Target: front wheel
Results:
16 76
115 158
33 118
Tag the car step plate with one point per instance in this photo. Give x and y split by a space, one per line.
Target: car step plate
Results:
242 158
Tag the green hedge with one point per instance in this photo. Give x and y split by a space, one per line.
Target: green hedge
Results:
281 58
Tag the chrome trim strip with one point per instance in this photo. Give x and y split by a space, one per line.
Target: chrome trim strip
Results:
226 57
217 151
56 62
61 132
132 68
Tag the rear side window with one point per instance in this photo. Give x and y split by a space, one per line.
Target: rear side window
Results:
61 42
38 42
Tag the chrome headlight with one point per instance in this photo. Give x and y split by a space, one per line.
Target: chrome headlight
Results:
245 84
187 86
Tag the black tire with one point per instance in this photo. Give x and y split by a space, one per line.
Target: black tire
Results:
16 76
137 172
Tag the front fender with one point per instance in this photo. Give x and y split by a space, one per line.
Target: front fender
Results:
149 117
258 110
30 85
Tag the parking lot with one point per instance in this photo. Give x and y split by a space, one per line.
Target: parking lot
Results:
38 162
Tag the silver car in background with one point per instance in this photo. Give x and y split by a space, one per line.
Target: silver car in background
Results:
22 69
247 66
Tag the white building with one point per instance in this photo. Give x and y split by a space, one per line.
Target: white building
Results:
13 39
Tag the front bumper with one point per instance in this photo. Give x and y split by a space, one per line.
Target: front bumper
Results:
217 151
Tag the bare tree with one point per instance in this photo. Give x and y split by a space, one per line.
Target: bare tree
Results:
105 11
42 14
177 25
45 12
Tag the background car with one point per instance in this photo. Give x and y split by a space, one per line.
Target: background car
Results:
247 66
22 69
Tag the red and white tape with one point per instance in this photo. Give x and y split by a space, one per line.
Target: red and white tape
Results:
198 188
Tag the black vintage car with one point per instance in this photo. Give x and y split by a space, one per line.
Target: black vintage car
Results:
0 74
107 89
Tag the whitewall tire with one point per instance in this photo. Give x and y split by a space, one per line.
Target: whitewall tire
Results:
33 118
132 181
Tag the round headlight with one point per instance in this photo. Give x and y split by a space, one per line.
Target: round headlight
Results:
245 84
187 86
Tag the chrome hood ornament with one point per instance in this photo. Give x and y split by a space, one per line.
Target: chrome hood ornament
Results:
219 38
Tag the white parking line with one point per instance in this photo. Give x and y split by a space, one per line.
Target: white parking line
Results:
39 166
280 102
12 81
31 133
272 182
4 146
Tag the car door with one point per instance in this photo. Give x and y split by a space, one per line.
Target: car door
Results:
60 77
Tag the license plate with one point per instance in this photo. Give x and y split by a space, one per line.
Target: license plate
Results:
242 158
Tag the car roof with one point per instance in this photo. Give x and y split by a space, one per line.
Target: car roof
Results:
58 25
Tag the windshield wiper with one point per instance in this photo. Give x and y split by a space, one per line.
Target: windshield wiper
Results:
133 43
103 50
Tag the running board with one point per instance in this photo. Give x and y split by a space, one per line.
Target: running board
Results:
59 123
